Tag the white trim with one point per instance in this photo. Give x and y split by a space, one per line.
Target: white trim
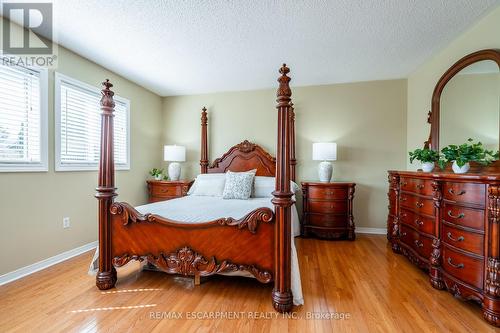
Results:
30 269
43 165
58 77
374 231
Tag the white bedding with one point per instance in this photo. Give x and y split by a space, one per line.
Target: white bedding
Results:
192 209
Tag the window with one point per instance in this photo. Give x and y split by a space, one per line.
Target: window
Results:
78 126
23 119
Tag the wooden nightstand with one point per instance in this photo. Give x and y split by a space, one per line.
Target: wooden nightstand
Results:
327 210
160 190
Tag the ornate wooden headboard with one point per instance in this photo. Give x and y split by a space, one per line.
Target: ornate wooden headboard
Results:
245 155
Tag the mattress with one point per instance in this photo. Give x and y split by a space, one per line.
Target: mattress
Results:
195 209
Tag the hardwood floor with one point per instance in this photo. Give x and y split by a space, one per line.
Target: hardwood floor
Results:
362 279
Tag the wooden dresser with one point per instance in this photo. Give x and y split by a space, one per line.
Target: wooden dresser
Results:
448 224
327 210
161 190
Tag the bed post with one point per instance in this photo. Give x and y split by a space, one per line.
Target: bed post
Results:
282 293
204 141
293 161
106 276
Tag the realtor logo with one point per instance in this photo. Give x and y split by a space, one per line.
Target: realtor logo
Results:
37 35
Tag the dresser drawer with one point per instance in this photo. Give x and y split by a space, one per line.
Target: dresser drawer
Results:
326 220
422 223
339 207
165 191
463 267
419 186
417 204
466 217
464 240
465 192
326 193
421 244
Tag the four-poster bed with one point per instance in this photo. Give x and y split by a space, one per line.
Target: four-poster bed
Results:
259 243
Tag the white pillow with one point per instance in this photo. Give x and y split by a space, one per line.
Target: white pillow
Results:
208 184
263 187
238 185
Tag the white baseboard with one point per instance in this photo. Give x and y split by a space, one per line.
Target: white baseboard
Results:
30 269
374 231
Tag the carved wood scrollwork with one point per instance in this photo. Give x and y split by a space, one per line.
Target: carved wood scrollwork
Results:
250 221
187 262
492 283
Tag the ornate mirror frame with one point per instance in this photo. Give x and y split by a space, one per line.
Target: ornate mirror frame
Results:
434 114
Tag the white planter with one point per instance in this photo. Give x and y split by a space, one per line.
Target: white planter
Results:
457 169
427 166
158 177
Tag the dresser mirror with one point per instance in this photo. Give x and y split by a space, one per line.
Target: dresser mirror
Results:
466 102
470 106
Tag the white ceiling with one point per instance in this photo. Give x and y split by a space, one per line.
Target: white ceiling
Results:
178 47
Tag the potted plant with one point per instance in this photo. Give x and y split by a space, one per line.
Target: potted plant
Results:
462 155
426 156
156 173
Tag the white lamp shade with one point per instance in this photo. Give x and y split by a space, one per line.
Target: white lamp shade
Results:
174 153
325 151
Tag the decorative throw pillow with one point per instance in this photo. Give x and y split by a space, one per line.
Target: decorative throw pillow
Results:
238 185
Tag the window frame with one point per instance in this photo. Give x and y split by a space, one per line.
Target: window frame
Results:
58 79
43 165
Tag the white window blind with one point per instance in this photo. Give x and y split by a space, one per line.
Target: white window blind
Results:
23 145
78 127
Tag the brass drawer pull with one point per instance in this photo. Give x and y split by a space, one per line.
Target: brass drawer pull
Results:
403 233
404 183
404 198
329 193
459 239
420 186
419 204
418 244
419 223
459 216
453 265
452 192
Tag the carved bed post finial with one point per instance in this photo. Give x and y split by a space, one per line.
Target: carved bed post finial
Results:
106 276
282 295
293 160
204 141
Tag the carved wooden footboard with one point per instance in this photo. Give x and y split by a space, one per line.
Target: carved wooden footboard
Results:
219 246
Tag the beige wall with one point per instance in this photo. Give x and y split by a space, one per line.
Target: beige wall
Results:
483 35
32 205
367 120
470 109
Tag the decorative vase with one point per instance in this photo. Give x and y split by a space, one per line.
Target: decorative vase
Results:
174 171
457 169
427 166
159 177
325 170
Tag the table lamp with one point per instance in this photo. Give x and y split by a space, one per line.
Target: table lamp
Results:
174 154
325 152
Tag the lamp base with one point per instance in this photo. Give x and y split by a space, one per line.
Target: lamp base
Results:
325 171
174 171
